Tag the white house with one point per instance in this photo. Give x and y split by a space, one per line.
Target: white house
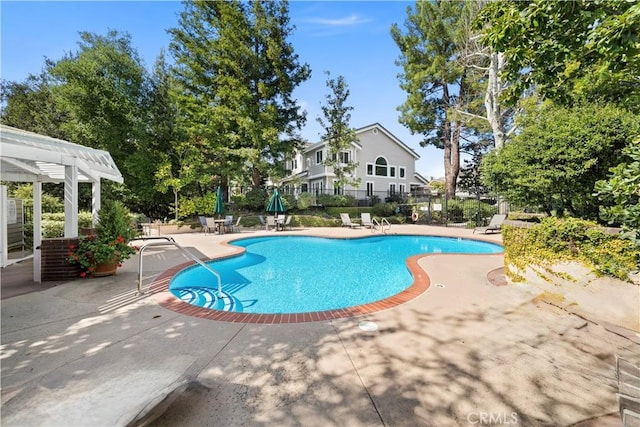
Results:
386 166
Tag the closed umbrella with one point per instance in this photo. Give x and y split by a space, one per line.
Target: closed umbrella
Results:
275 204
219 207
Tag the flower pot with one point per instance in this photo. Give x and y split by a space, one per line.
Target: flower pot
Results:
106 268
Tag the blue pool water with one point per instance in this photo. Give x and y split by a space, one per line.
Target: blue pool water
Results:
294 274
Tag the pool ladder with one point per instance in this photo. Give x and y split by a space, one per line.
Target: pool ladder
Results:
380 225
171 242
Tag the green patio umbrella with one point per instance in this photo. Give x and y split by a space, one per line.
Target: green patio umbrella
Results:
275 204
219 207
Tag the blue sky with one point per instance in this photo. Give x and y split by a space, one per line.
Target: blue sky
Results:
351 39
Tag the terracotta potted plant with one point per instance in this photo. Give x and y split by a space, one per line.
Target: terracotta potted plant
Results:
102 253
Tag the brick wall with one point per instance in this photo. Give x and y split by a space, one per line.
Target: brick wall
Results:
54 253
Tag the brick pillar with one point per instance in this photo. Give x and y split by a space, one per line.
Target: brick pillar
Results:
54 253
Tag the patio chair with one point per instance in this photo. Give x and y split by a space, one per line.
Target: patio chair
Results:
494 225
365 219
346 221
203 223
210 225
271 222
262 221
236 226
228 223
287 223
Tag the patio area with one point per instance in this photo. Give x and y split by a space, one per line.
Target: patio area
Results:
465 352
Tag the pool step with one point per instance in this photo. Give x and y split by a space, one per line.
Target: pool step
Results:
208 298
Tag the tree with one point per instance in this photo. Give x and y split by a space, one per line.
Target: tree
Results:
337 133
102 86
560 153
236 73
31 106
438 84
620 193
581 47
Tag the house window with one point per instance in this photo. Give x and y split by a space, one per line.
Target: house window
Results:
402 172
381 166
337 189
392 171
294 164
403 188
369 169
304 188
369 189
344 157
318 157
392 189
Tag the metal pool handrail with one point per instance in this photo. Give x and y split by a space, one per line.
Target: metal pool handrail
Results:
185 252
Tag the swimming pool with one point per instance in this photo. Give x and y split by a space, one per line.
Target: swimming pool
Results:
296 274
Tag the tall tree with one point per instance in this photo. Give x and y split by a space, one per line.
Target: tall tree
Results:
102 86
337 132
30 105
580 47
237 72
437 83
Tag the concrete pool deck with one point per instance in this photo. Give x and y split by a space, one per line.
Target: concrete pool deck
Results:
465 352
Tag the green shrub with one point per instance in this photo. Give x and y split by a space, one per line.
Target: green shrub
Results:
556 239
305 200
314 221
202 205
51 229
328 200
384 209
254 200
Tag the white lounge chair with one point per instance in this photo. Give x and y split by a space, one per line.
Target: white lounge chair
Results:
287 223
210 226
346 221
365 219
228 223
494 225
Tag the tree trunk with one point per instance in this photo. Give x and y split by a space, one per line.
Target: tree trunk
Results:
256 177
451 158
492 98
175 202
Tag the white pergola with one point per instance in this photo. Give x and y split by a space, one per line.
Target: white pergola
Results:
31 157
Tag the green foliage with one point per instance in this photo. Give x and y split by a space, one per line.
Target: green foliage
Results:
110 244
620 193
253 200
305 200
336 200
567 48
560 153
338 134
556 239
31 106
101 87
384 209
314 221
197 205
432 55
236 72
49 203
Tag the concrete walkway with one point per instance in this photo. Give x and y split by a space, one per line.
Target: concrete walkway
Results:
466 352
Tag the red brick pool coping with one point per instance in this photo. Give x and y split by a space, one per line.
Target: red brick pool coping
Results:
159 289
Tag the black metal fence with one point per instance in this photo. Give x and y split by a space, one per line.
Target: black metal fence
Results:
462 211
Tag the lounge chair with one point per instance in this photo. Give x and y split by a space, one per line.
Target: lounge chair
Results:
262 221
365 219
494 225
346 221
